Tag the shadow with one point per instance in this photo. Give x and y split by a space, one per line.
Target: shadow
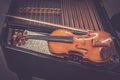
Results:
115 21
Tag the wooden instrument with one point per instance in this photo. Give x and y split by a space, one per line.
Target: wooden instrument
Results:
96 46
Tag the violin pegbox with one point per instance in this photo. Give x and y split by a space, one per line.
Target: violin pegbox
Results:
19 37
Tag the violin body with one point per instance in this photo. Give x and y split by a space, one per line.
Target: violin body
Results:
94 46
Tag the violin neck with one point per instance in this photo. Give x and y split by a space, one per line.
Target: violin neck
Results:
68 39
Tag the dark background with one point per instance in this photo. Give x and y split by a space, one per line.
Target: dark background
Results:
112 7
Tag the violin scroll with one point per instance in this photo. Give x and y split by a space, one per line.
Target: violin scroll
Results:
19 38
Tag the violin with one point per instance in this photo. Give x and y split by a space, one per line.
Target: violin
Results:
95 46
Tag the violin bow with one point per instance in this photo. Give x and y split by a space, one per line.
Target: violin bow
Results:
47 23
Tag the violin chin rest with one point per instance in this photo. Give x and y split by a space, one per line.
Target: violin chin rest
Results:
106 53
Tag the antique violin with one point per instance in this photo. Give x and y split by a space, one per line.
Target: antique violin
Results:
95 46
